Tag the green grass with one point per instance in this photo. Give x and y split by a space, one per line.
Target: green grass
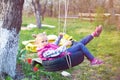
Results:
106 47
27 20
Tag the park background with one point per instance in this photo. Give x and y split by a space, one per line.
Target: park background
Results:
82 18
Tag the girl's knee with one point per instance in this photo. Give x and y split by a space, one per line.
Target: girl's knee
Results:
80 44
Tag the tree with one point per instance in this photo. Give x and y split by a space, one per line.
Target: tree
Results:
44 9
36 5
9 37
51 8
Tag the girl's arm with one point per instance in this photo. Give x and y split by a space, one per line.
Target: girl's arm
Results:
57 41
54 53
58 51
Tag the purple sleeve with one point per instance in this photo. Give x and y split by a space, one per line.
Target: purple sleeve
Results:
54 53
57 41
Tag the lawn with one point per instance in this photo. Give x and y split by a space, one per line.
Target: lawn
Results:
105 47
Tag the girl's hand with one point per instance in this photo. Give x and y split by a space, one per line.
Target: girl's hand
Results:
61 34
68 43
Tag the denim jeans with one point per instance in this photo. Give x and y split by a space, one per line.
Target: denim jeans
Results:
80 46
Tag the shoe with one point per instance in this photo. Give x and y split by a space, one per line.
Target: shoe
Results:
96 62
97 31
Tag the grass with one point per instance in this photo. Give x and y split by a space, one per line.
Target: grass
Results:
105 47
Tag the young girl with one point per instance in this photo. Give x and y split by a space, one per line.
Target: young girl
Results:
50 51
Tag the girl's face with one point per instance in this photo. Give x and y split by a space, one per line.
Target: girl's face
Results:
42 41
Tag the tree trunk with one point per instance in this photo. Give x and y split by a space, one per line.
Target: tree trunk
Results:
44 10
51 9
9 35
36 6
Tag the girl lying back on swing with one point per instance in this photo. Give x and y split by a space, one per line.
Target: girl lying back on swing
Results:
50 51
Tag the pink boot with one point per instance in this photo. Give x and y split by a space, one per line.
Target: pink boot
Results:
96 62
97 31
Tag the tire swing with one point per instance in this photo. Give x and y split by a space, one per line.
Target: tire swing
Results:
62 63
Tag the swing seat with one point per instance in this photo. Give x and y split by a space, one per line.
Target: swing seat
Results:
60 64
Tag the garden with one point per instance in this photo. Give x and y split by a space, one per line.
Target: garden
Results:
105 47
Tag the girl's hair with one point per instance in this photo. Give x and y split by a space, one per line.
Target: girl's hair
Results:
38 36
41 35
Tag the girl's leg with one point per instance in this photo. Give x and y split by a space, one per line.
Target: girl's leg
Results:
85 40
88 38
81 47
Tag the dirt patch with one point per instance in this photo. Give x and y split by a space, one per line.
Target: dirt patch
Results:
19 72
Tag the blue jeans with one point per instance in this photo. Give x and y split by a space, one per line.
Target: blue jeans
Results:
80 46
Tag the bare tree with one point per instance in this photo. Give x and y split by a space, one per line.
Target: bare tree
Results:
51 8
37 6
44 8
9 35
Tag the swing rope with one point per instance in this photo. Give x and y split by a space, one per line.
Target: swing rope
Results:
65 16
59 17
66 12
68 59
